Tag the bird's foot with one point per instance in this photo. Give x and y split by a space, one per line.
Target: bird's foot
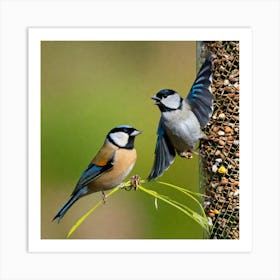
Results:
187 154
104 197
135 181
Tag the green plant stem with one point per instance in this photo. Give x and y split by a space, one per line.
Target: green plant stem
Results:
181 207
200 219
81 220
188 193
182 189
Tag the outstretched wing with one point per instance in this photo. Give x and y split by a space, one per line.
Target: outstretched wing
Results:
164 154
200 96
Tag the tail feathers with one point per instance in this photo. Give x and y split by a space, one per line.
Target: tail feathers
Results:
69 203
200 96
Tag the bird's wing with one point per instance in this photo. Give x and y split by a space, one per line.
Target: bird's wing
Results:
164 154
103 162
200 97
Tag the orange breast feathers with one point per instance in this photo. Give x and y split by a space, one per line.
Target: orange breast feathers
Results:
105 155
123 163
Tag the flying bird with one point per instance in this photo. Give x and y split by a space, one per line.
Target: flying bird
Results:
182 119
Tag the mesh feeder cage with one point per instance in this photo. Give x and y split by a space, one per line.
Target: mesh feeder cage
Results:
219 163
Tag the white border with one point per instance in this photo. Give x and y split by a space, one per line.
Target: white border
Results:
262 16
36 35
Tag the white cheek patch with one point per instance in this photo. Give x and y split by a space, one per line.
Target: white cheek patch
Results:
119 138
172 101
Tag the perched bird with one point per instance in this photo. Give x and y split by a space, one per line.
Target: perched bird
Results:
108 168
181 120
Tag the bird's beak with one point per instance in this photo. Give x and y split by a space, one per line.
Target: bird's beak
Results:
136 132
157 99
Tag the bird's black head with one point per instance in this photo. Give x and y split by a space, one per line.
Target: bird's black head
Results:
168 100
123 136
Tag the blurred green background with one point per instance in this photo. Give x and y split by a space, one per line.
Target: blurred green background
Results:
87 88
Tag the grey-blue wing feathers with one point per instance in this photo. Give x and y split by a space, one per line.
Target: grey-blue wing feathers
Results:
93 171
200 96
164 154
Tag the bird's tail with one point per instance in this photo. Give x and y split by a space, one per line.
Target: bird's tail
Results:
69 203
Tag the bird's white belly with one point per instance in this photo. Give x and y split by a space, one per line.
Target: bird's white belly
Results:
183 132
118 173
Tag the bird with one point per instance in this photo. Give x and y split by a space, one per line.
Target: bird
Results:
182 120
109 167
